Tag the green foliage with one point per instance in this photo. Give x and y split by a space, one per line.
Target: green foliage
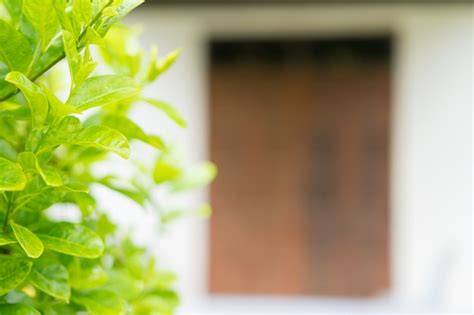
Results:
51 138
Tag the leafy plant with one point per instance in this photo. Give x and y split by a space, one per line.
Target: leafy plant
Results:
54 129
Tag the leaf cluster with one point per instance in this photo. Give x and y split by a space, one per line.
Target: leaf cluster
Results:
54 129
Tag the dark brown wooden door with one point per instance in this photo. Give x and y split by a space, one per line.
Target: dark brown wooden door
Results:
299 131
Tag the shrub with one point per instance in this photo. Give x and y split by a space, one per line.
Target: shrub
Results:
50 140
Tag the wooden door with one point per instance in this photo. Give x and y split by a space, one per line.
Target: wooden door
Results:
300 133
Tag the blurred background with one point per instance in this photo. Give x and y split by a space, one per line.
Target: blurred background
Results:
342 133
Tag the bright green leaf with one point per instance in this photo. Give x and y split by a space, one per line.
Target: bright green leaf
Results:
52 279
30 163
196 177
72 54
87 277
50 175
104 138
169 111
130 129
17 309
124 7
165 170
103 90
15 51
34 95
82 11
84 201
43 18
56 107
70 131
30 243
5 239
100 302
61 133
158 67
72 239
86 67
11 176
7 150
13 271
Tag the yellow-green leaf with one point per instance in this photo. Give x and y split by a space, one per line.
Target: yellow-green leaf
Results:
30 163
103 90
11 176
70 49
130 129
196 177
169 111
104 138
100 302
72 239
82 11
13 271
158 67
15 51
34 95
30 243
5 239
165 170
17 309
52 279
43 18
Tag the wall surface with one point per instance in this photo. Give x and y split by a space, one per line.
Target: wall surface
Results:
431 158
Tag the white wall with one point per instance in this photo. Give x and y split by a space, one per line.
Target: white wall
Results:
431 129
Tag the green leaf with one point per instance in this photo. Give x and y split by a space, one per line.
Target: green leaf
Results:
165 170
84 201
30 243
14 9
56 107
196 177
158 67
13 271
72 239
17 309
43 18
11 176
82 11
50 175
15 51
5 239
104 138
34 95
52 279
60 133
30 163
87 277
100 302
70 131
103 90
70 49
130 129
169 111
86 67
123 9
7 150
60 7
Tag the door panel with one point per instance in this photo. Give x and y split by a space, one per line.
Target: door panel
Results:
299 131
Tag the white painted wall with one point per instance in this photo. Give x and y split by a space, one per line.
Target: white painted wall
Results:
431 131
